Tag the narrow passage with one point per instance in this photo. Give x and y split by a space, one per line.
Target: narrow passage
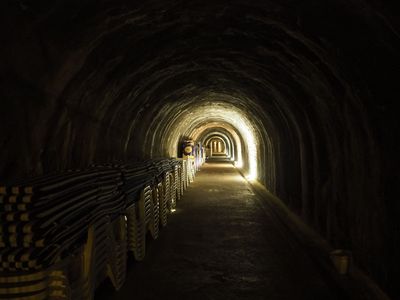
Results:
221 244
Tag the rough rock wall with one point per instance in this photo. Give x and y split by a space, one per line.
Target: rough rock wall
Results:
82 81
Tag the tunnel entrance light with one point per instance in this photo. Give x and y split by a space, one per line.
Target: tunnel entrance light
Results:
251 177
246 129
196 122
217 146
228 146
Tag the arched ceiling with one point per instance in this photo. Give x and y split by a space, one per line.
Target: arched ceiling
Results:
118 65
196 118
308 86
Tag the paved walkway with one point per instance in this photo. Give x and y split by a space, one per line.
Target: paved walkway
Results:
221 243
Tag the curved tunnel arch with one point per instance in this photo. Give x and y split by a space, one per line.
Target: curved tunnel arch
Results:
224 144
229 144
222 147
230 132
183 122
104 81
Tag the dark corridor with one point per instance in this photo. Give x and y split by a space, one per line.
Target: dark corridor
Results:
226 242
109 109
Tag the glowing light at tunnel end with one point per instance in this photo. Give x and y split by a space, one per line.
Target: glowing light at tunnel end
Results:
251 177
225 114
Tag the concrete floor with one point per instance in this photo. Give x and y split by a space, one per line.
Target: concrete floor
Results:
221 244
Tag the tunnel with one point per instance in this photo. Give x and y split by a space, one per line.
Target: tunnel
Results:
290 104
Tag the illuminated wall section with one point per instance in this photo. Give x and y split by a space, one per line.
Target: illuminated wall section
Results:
192 122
